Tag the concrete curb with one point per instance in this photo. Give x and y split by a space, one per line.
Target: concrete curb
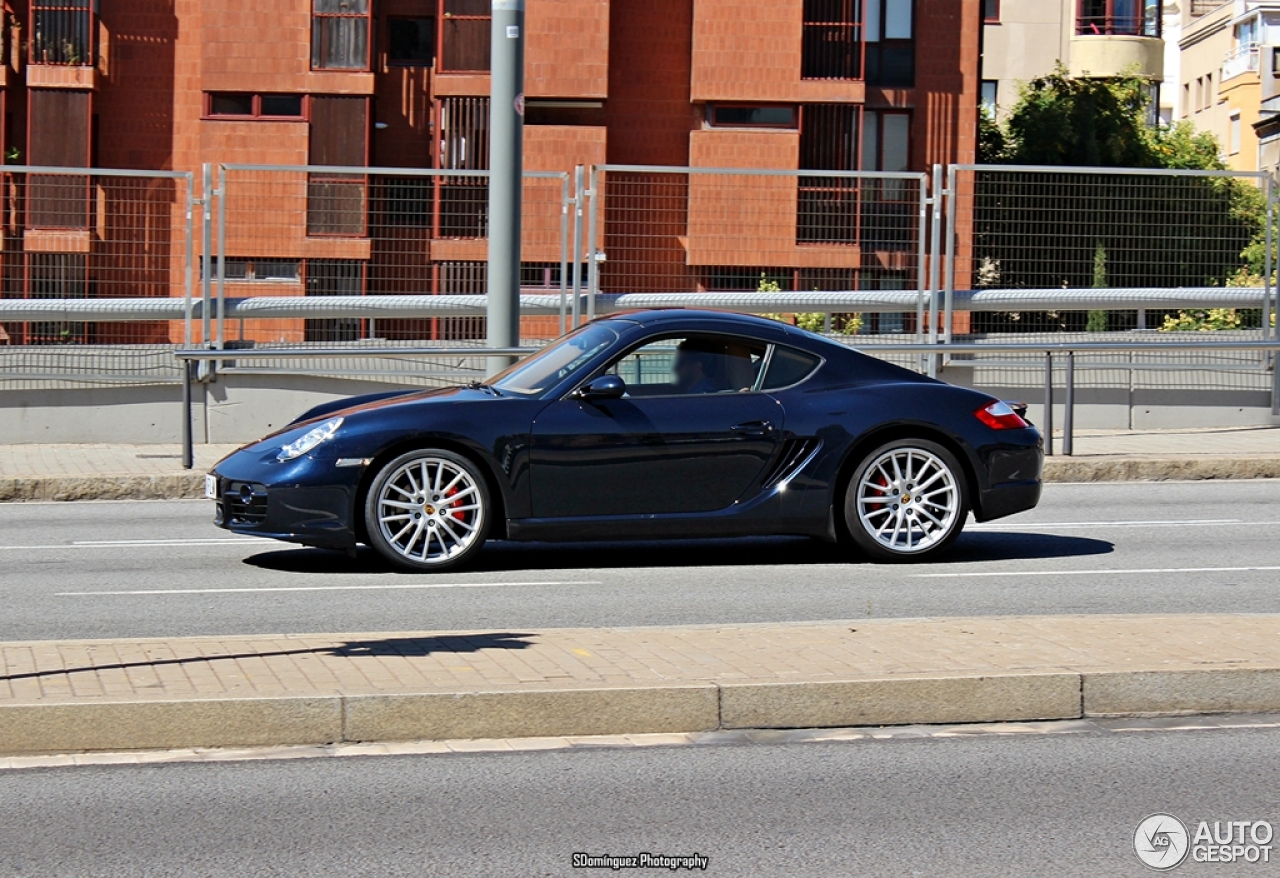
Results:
148 724
1141 469
190 486
176 486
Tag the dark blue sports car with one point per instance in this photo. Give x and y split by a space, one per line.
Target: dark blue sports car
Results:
657 425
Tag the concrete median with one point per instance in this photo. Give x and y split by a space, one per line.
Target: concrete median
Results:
81 696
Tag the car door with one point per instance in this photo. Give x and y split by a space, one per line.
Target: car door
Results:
667 446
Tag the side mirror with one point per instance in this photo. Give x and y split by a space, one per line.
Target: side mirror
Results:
604 387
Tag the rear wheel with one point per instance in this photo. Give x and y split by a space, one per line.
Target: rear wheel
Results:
428 510
907 501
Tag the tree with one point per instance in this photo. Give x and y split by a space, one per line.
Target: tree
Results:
1081 229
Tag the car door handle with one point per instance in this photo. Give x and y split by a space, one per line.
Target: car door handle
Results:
753 428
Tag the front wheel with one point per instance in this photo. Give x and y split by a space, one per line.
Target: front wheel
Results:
428 510
907 501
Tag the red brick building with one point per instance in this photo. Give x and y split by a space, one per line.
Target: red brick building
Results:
786 84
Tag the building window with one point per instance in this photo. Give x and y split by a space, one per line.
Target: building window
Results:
989 93
831 45
1134 18
543 112
891 48
340 34
876 213
242 270
62 32
742 116
58 276
339 137
991 11
334 277
411 42
239 105
58 137
1235 134
465 36
463 146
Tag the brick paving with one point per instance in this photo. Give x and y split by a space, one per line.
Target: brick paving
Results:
456 662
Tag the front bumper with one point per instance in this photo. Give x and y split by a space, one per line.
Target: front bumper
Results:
304 501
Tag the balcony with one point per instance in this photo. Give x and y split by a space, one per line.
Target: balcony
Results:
62 33
1243 59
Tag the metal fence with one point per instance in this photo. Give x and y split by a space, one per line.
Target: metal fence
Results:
654 229
88 234
1097 234
338 232
106 271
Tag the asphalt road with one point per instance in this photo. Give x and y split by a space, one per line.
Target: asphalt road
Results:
1056 804
150 569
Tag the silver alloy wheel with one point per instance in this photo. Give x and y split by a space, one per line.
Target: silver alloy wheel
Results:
430 510
908 500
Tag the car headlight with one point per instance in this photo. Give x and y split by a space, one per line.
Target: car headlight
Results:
307 441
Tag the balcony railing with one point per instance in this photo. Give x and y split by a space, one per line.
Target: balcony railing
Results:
62 33
1118 26
1243 59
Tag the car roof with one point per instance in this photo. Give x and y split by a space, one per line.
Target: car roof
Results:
656 316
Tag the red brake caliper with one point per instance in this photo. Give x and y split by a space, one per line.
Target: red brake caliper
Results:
460 516
883 484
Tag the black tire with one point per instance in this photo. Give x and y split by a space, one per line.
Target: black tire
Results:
887 521
439 528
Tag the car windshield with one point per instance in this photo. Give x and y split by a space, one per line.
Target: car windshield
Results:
557 361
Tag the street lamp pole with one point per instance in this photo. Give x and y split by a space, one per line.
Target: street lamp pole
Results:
506 165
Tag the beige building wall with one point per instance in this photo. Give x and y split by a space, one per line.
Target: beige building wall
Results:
1030 38
1033 36
1220 91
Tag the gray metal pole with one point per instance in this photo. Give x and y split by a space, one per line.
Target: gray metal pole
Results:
206 245
564 253
506 169
579 184
949 278
1069 409
219 193
1268 265
593 264
1048 403
188 448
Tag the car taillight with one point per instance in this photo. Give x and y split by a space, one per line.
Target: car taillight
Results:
1000 416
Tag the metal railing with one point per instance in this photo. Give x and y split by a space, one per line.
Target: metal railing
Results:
931 352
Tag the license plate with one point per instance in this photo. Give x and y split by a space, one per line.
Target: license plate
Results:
211 487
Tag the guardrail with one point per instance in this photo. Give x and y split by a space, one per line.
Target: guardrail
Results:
408 306
932 351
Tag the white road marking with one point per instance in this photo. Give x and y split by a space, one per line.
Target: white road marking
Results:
136 544
1189 522
387 587
1096 572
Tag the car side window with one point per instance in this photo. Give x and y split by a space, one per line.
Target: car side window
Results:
690 365
788 366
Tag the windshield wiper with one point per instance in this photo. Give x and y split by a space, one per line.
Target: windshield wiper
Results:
480 385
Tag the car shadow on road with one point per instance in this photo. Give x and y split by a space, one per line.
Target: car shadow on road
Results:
745 552
404 647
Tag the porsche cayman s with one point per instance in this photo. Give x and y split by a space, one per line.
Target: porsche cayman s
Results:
654 425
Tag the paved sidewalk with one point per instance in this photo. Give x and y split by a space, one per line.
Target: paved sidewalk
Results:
84 472
325 688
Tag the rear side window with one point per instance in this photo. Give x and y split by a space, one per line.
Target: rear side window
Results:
788 366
